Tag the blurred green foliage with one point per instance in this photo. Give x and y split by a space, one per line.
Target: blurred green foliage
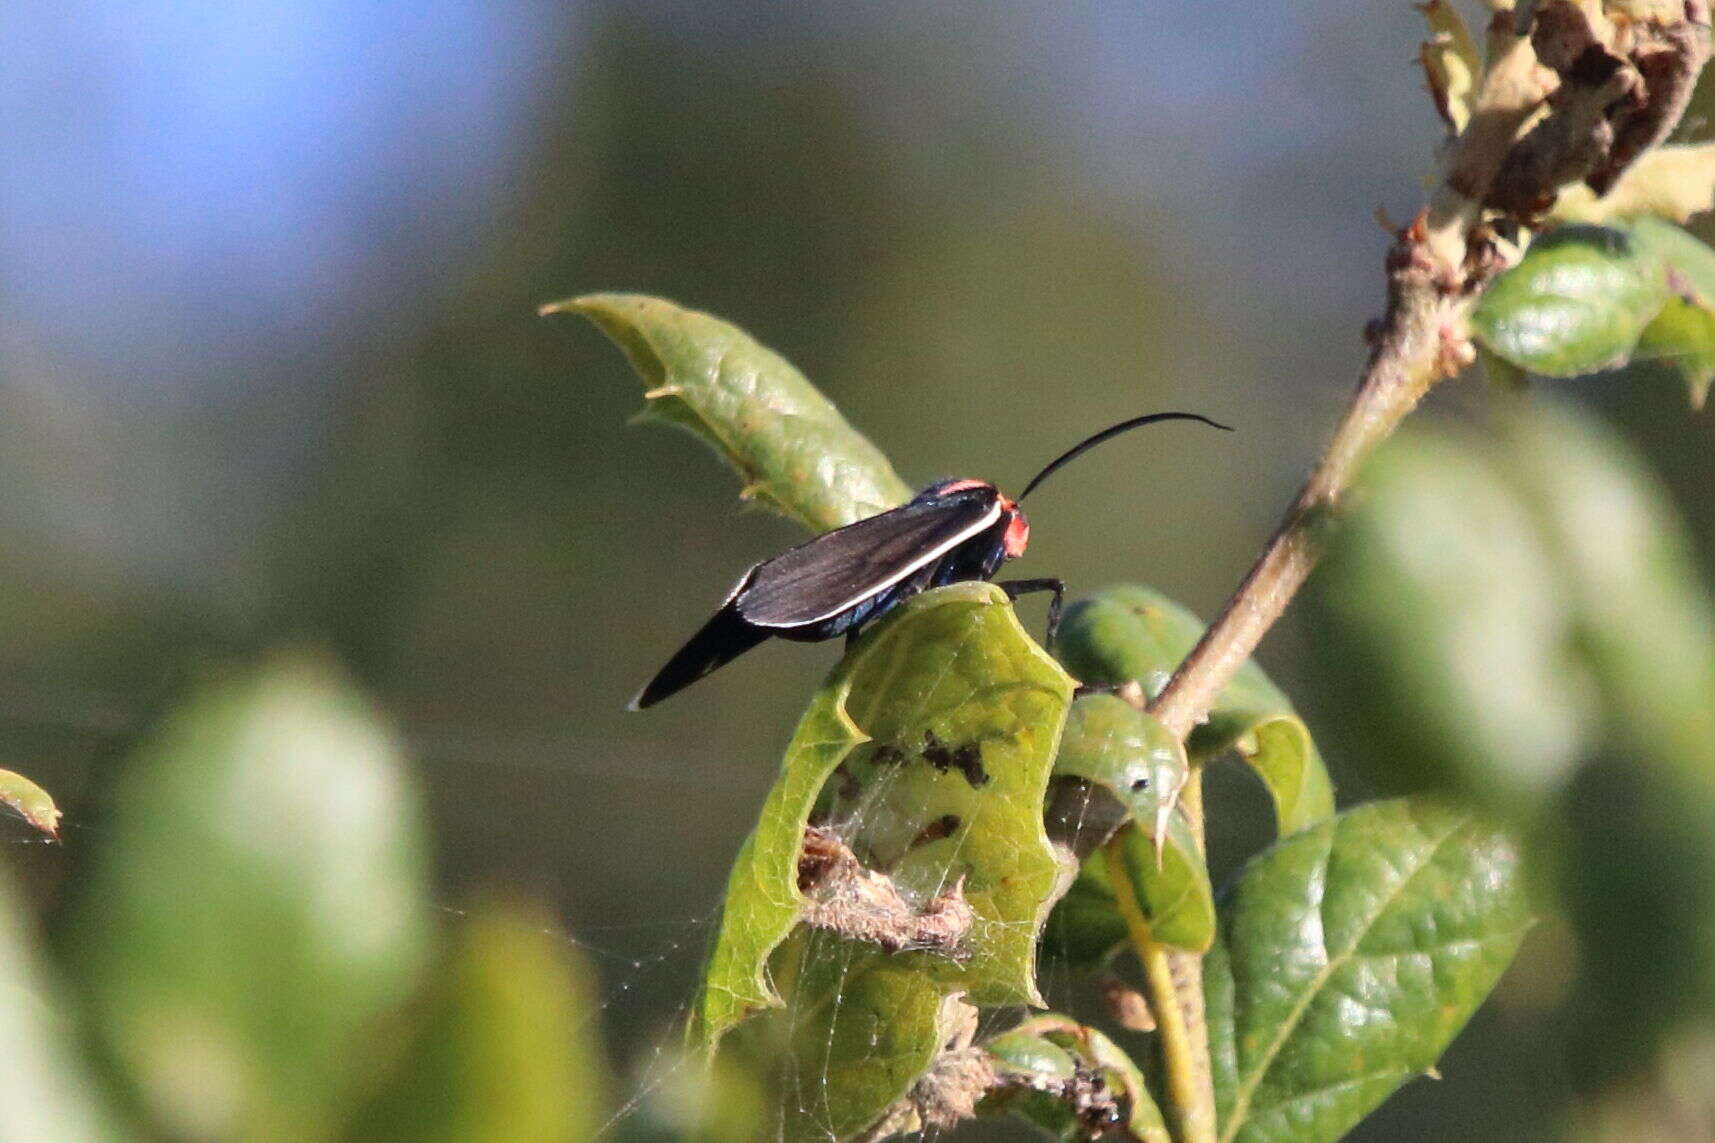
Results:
1514 617
252 952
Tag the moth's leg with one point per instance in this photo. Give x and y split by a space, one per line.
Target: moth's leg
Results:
1017 587
852 634
1098 689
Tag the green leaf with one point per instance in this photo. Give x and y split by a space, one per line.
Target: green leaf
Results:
1125 750
45 1091
1086 927
1634 853
1643 619
1352 954
1129 633
1437 590
1588 298
763 903
860 1029
1682 336
30 801
790 445
944 721
504 1044
255 904
1073 1082
1575 304
1128 753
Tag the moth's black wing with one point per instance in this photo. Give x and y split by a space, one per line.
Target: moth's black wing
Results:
842 568
819 579
722 639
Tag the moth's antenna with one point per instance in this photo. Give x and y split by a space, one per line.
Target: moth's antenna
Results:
1109 433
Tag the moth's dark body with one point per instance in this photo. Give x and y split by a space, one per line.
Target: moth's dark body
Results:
953 531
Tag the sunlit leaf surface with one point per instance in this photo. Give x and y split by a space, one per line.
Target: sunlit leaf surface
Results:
1132 756
1351 954
792 448
30 802
1129 632
1590 298
1576 304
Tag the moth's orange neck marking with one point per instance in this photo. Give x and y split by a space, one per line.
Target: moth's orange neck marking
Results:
1017 536
962 485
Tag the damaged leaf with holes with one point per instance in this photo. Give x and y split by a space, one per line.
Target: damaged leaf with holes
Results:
925 758
1071 1081
792 448
1350 956
1132 633
1113 752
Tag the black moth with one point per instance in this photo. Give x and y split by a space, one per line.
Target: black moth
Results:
954 530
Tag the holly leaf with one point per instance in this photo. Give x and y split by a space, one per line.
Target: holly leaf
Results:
1110 744
1130 633
942 723
1352 953
792 448
1072 1082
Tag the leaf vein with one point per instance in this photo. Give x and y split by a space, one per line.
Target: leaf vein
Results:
1249 1083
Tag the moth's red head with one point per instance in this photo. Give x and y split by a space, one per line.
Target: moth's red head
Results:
1017 536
